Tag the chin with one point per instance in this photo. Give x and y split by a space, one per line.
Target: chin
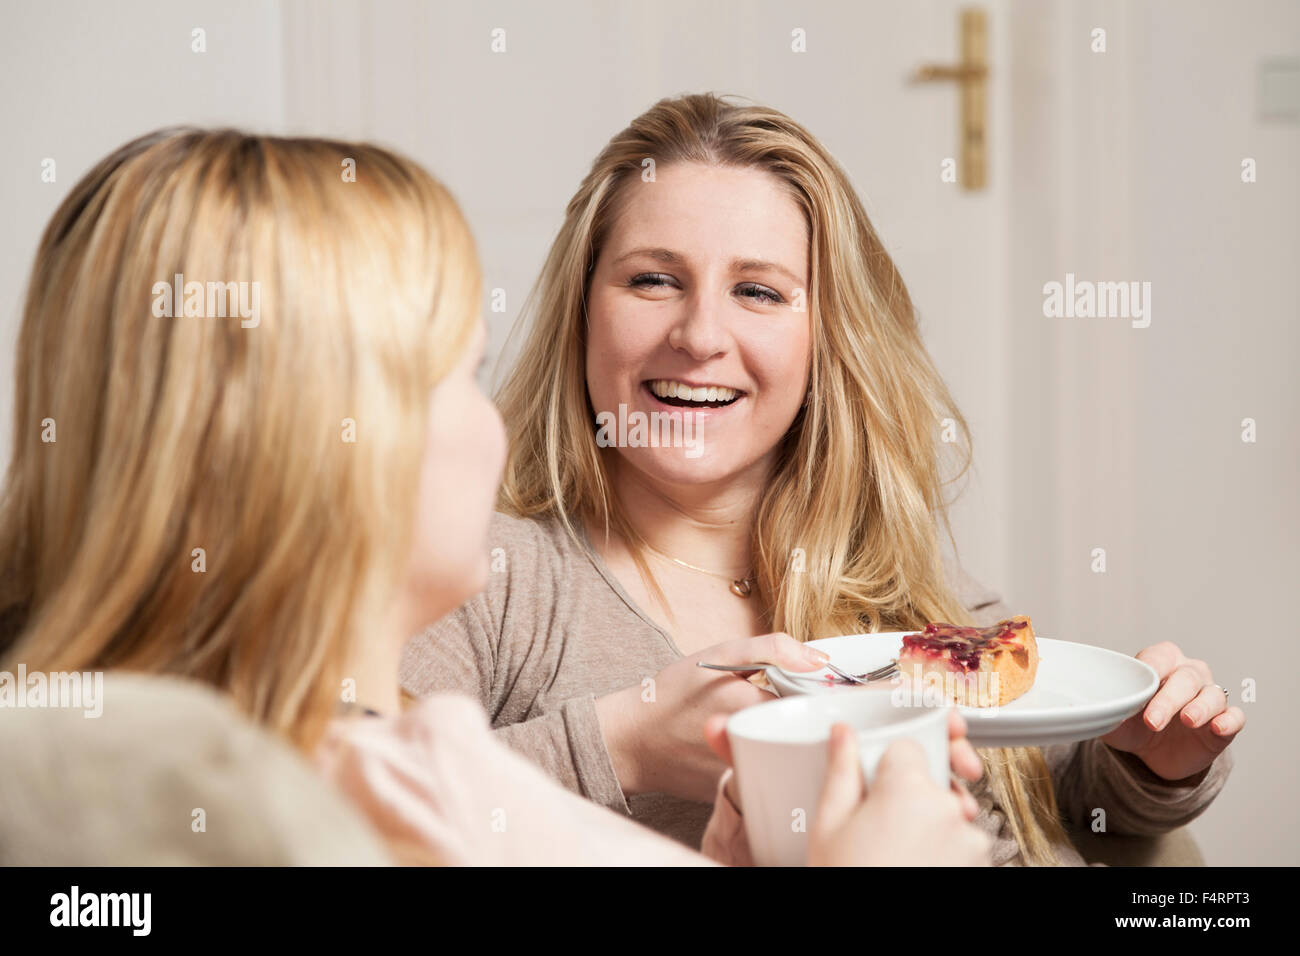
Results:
477 578
447 588
671 464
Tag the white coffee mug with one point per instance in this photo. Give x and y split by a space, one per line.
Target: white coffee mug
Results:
780 753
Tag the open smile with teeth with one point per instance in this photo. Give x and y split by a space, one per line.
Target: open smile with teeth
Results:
672 392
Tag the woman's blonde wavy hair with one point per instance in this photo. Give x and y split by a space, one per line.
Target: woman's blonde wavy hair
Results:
856 489
139 439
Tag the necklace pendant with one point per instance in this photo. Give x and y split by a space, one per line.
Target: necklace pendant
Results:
741 588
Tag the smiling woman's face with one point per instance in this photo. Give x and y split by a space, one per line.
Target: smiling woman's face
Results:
696 289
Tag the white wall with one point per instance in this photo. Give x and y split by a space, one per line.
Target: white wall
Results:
1218 520
1127 165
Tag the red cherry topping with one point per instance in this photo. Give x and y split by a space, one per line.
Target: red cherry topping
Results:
961 645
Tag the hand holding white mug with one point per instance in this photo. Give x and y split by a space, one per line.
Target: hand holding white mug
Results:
905 820
924 824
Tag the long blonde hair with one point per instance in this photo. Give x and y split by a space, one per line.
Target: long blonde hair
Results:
184 495
857 489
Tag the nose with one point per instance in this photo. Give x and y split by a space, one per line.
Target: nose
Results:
699 331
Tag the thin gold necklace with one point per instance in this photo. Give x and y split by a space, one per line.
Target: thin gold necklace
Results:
741 587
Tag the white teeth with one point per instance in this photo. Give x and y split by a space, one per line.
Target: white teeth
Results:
666 388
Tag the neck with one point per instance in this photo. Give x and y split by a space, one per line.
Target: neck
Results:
709 525
375 661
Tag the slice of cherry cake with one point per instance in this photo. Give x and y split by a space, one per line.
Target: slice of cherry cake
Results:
974 666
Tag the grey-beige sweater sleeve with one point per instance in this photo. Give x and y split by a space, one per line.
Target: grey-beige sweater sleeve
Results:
1098 786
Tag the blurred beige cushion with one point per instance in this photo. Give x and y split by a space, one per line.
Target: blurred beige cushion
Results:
123 788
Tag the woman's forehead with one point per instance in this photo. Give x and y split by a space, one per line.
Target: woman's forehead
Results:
697 213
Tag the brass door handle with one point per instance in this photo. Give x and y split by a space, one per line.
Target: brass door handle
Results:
971 74
932 72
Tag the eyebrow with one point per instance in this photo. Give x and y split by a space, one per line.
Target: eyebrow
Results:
671 258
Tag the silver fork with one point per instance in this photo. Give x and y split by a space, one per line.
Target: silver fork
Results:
880 673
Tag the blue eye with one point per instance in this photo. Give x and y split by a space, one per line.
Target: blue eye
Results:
649 280
752 290
761 292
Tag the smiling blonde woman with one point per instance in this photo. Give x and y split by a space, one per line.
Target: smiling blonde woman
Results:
716 264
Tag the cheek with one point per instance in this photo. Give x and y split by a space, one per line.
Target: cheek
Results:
782 367
620 338
491 439
439 486
464 457
602 351
470 451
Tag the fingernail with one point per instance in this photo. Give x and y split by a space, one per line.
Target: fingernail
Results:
1157 715
1193 714
816 656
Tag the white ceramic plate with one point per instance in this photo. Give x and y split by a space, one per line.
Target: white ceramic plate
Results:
1080 691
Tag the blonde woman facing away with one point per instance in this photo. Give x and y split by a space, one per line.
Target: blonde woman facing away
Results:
715 263
269 494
